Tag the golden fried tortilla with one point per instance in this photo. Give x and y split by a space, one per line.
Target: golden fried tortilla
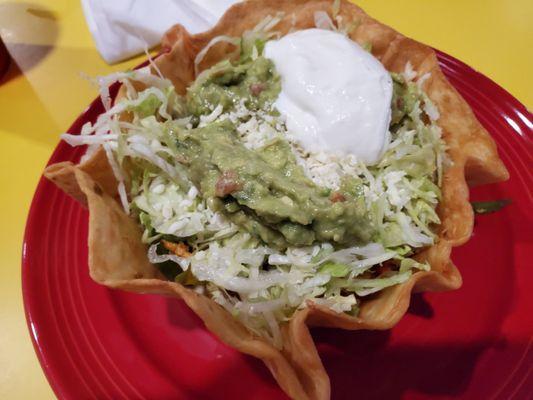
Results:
297 368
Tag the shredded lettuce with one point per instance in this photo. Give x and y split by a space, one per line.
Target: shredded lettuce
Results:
334 269
364 287
485 207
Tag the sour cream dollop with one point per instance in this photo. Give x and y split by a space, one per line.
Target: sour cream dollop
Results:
335 96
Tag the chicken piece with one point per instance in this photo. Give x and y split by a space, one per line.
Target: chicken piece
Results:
180 249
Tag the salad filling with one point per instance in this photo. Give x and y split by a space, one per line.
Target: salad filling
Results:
233 206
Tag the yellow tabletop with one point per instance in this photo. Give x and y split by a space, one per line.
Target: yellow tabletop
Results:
44 92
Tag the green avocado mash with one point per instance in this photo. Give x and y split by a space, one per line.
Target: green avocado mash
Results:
266 192
254 82
272 198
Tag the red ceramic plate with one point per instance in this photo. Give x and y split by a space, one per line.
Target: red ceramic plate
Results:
473 343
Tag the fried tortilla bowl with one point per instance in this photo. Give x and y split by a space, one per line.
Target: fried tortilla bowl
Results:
297 367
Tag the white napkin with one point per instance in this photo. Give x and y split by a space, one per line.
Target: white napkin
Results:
123 28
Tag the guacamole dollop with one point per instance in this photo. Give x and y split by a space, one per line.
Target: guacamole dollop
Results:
263 190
